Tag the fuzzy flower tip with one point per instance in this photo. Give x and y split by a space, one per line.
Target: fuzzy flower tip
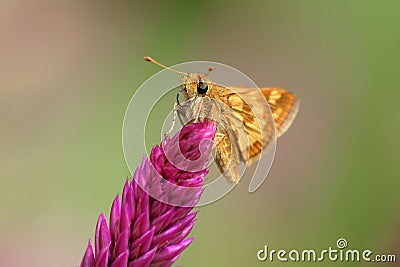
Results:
149 225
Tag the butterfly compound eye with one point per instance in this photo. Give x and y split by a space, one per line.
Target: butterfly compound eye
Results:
202 88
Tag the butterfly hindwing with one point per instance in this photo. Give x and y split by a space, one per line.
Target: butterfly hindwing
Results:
226 156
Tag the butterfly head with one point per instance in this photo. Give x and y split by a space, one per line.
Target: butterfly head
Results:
195 84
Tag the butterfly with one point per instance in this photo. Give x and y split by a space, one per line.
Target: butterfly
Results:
246 125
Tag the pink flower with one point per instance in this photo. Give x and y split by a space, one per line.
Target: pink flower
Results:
149 226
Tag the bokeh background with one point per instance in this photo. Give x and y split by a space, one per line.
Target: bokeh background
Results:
69 68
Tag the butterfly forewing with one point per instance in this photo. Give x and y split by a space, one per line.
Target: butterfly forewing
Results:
253 121
248 121
284 107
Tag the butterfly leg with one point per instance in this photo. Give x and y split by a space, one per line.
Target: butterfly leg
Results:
173 120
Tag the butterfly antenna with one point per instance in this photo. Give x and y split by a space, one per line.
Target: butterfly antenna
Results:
149 59
210 69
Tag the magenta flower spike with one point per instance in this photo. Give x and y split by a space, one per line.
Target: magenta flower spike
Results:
149 225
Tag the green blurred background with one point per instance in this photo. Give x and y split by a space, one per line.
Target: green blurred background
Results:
69 68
